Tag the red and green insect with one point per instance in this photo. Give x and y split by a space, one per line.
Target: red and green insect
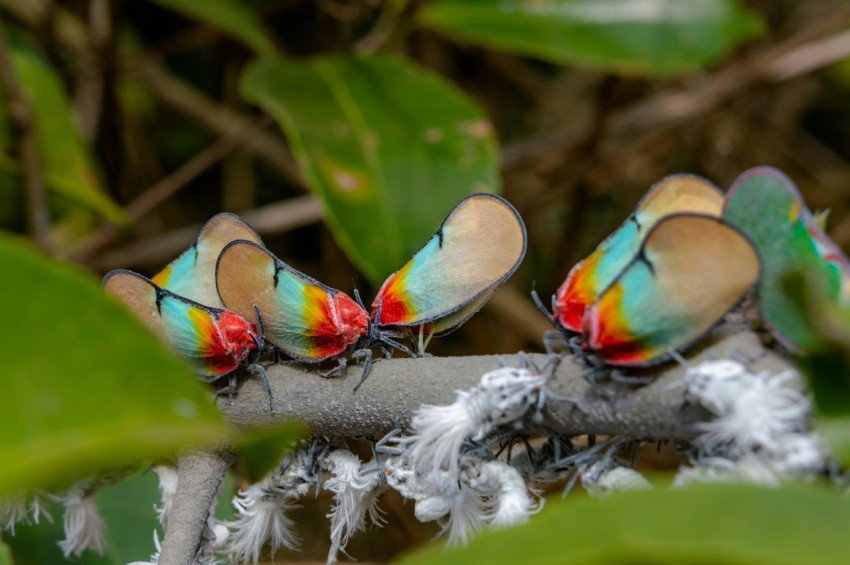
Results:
192 274
478 246
588 278
661 281
766 205
689 271
212 341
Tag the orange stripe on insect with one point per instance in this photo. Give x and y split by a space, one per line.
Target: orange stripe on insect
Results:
607 332
161 278
396 306
577 293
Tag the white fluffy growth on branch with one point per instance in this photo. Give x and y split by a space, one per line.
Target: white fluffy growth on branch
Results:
501 397
167 487
356 488
23 507
605 477
262 510
760 430
504 491
82 521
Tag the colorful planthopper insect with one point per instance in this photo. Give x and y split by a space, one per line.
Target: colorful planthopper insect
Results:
658 283
478 246
213 341
689 271
192 274
587 279
766 205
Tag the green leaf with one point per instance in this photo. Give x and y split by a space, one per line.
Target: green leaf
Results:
230 17
707 524
389 148
85 386
260 449
5 555
827 361
663 37
64 158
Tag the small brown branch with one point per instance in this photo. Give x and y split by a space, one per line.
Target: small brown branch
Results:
20 113
199 479
155 251
810 57
170 90
169 186
219 118
701 95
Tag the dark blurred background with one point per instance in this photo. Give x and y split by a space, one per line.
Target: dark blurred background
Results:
165 134
155 96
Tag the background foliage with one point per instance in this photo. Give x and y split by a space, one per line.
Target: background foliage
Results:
125 125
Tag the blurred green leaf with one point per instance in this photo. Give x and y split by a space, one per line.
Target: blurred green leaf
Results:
127 508
767 206
5 555
827 360
65 159
389 148
663 37
85 386
706 524
230 17
260 449
128 511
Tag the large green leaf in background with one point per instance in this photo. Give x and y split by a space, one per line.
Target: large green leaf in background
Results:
662 37
705 524
64 158
230 17
85 386
389 148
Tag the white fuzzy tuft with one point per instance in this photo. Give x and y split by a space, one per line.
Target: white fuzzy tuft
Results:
748 469
467 515
356 492
753 411
262 517
167 487
485 493
438 496
23 507
600 479
759 433
502 396
83 524
263 510
503 488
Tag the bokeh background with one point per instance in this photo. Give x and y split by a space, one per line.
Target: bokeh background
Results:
127 124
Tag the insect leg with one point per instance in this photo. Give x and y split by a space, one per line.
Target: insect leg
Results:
366 354
542 308
342 363
259 371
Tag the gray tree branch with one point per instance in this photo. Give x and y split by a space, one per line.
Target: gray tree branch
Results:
397 387
199 478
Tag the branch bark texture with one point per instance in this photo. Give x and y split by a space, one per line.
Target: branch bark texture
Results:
396 387
199 478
